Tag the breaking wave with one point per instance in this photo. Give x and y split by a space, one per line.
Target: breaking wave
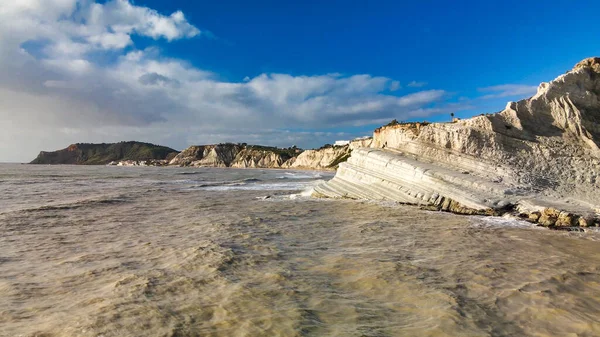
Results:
494 221
258 186
296 175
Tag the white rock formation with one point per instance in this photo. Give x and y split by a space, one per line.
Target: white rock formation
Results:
252 156
361 142
538 154
221 155
321 159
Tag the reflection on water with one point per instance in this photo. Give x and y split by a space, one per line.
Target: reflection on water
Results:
141 252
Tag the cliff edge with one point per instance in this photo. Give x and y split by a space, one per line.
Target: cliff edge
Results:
539 157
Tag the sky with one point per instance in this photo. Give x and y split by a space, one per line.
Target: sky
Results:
280 73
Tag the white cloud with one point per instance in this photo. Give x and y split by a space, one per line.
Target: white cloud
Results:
74 66
111 40
415 84
74 27
55 91
123 17
508 90
47 8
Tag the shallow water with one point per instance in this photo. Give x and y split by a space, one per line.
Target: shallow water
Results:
119 251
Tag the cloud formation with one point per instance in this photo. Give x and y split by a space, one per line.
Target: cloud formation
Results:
58 87
395 86
507 90
415 84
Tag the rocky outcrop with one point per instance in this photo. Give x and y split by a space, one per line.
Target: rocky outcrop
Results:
235 155
102 154
361 142
221 155
327 158
149 162
539 155
263 157
256 156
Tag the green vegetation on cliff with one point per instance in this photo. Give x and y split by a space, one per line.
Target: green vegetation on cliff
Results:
101 154
341 159
285 153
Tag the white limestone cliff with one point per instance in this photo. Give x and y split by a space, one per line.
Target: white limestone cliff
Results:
540 155
253 156
321 159
220 155
250 158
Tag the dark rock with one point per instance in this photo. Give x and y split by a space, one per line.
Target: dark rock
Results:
565 219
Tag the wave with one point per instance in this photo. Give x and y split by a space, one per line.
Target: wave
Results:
254 185
293 175
305 194
259 187
28 182
107 200
203 184
494 221
290 181
189 173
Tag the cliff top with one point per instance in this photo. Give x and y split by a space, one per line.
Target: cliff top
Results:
394 124
591 62
104 153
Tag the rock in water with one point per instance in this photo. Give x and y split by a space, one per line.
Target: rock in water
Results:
537 154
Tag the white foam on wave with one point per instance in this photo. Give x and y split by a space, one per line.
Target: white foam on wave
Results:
288 186
504 221
180 181
308 191
290 181
305 194
296 175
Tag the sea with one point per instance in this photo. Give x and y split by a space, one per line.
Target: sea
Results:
143 251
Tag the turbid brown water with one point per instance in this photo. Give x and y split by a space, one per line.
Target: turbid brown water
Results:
106 251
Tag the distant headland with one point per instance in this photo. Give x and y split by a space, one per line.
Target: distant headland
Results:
235 155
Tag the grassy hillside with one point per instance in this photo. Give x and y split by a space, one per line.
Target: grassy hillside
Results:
101 154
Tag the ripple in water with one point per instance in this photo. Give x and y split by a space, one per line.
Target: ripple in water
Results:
156 260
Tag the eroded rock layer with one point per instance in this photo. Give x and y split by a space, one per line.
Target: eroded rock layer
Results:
538 156
221 155
321 159
255 156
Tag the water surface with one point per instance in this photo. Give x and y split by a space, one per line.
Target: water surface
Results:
119 251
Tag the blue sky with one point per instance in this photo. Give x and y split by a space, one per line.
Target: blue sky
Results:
273 72
457 46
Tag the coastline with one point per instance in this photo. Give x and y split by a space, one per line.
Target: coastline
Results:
536 160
